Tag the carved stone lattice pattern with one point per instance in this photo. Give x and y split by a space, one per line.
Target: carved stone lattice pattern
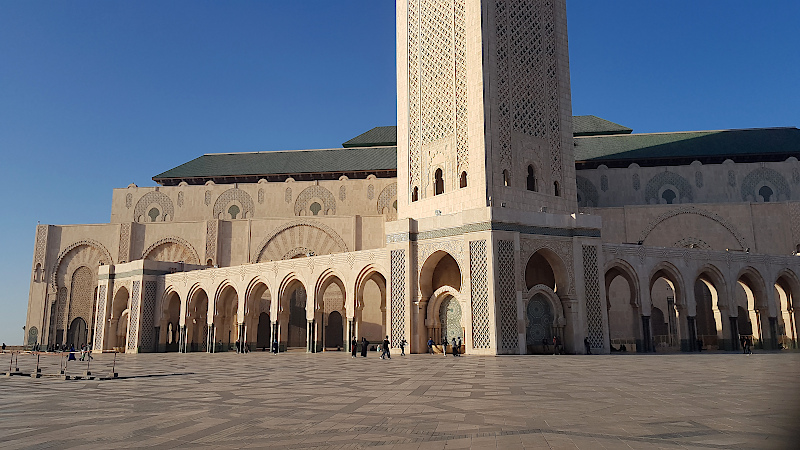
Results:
764 175
386 200
41 245
333 299
134 316
794 218
287 196
795 176
166 210
370 192
540 321
604 183
315 192
260 196
171 249
342 193
180 199
700 212
99 326
527 76
124 242
692 242
81 292
587 191
207 199
637 184
480 294
506 296
234 195
685 192
594 316
61 309
437 84
398 310
128 200
562 248
212 230
147 335
85 252
292 238
453 247
33 335
731 178
698 179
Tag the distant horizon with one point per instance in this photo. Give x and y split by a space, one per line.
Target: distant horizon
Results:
97 95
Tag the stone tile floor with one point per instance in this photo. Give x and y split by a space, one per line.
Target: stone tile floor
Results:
329 400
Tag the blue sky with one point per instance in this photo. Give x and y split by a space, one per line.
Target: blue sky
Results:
95 95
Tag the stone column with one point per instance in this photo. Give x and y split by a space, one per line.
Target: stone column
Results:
773 333
734 333
647 339
691 324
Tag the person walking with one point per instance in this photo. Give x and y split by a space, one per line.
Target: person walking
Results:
444 345
385 349
403 347
459 346
353 348
275 347
587 345
71 356
455 349
364 346
430 345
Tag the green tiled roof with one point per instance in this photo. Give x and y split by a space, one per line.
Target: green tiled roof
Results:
712 145
595 126
286 162
376 137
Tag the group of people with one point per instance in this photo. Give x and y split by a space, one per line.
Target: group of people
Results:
747 345
455 346
557 347
384 347
242 347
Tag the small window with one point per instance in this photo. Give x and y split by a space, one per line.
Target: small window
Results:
209 263
315 208
506 179
463 181
766 193
531 179
556 189
668 196
153 214
233 211
415 194
438 180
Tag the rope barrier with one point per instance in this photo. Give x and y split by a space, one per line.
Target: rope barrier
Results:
42 358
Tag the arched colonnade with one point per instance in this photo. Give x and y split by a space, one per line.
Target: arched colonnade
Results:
662 299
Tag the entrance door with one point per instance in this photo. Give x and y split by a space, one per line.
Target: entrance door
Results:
334 334
540 325
262 338
78 333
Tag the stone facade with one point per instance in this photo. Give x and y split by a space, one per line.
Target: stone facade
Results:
488 234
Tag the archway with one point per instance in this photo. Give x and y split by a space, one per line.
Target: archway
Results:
256 316
622 295
226 329
450 317
709 288
197 321
369 309
118 324
170 323
669 327
540 324
293 320
751 301
439 279
78 333
785 288
334 331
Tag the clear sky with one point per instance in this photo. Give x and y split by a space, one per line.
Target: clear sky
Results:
95 95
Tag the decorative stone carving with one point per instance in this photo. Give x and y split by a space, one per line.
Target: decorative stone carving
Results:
299 238
594 315
765 175
692 210
561 247
398 294
506 296
318 192
180 199
171 249
387 200
222 208
212 230
124 242
481 337
587 192
84 252
651 191
166 211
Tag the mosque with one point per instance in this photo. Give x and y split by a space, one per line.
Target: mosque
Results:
489 213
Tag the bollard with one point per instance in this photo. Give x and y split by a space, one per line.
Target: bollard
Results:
38 372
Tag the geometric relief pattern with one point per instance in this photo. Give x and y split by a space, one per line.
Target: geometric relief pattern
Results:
588 193
221 210
562 248
540 320
700 212
794 219
762 175
594 316
154 197
480 294
133 316
101 314
398 310
527 76
386 201
298 238
171 249
506 299
685 192
148 311
212 229
41 245
319 192
124 242
82 294
437 82
450 318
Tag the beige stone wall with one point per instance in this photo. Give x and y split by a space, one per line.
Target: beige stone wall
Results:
728 182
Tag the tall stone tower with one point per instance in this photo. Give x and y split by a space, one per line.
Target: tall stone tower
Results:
489 246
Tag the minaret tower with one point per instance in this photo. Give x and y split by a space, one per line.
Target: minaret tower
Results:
488 230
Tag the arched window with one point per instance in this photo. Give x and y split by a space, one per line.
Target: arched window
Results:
438 180
556 189
765 192
234 211
315 208
415 194
153 214
463 181
531 179
506 179
669 196
209 263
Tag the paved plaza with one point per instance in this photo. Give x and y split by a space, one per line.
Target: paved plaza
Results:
329 400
